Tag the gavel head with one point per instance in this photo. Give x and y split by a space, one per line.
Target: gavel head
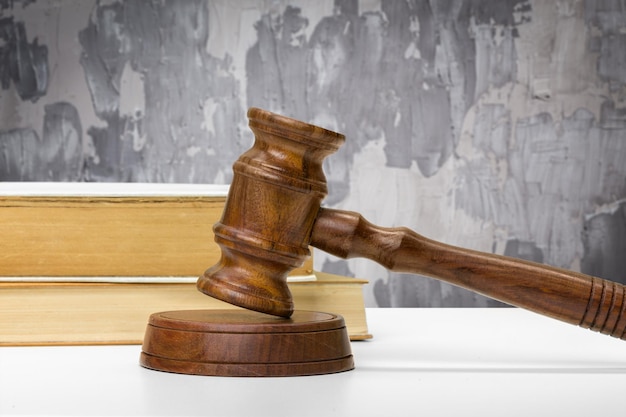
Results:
276 192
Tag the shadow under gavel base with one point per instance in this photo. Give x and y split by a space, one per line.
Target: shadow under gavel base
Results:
233 342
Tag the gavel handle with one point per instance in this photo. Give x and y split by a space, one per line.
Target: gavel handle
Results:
564 295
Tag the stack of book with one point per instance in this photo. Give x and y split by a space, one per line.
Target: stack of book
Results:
87 263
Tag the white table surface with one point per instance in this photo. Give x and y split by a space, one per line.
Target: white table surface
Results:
426 362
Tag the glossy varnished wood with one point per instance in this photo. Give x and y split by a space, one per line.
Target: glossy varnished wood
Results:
278 186
273 214
246 343
565 295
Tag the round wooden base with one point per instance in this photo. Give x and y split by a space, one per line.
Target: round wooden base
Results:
246 343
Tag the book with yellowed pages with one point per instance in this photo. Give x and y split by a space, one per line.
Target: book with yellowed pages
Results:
86 263
114 313
103 229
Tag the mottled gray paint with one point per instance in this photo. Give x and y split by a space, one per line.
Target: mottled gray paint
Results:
57 156
515 109
523 250
608 18
23 63
14 145
605 244
556 172
164 42
354 76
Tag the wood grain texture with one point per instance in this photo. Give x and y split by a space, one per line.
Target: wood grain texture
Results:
246 343
274 213
277 188
565 295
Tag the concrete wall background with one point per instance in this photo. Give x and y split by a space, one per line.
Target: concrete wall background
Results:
495 125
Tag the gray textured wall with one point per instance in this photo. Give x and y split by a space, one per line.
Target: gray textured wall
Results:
490 124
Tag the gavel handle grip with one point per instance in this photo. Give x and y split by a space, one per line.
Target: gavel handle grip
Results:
564 295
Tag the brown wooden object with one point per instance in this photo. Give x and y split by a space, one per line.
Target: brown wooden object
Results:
273 213
246 343
278 186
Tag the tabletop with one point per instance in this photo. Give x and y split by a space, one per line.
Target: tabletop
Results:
429 362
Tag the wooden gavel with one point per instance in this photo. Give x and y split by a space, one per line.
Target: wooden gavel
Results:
273 213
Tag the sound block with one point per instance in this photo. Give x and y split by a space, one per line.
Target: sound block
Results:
233 342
